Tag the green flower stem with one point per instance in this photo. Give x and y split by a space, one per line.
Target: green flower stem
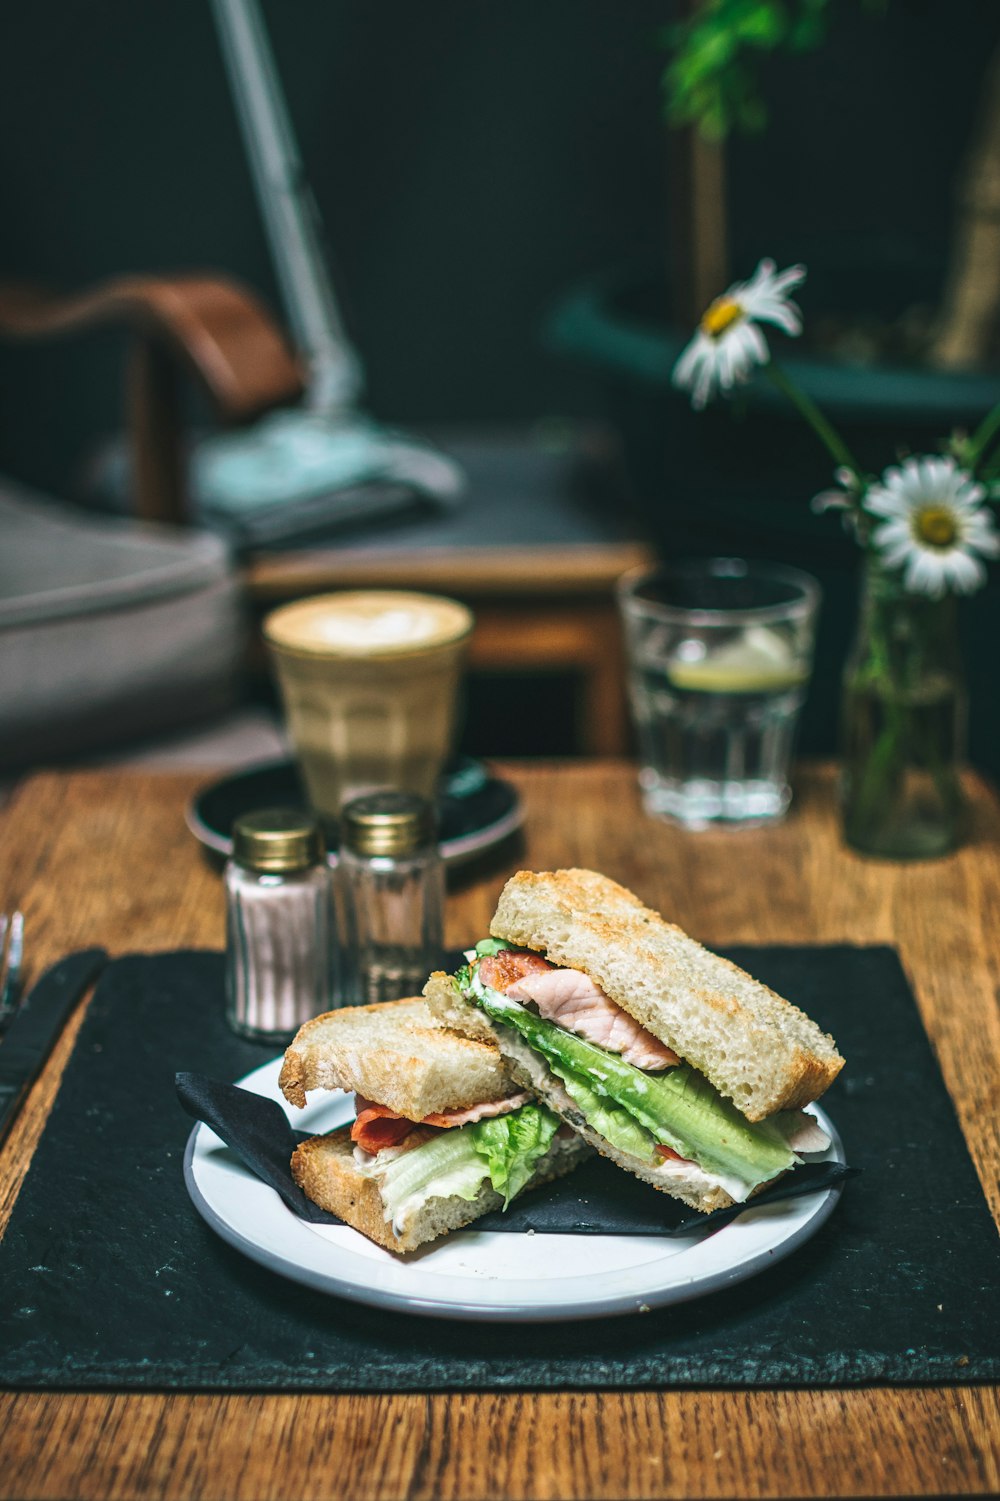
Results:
882 766
983 437
940 760
903 693
804 404
879 782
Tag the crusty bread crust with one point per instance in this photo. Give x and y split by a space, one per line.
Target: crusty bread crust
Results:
756 1048
453 1011
324 1169
394 1052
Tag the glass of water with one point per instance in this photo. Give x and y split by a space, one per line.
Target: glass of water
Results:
719 656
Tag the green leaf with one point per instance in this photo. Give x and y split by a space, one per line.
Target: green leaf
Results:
765 27
680 1108
487 946
447 1166
611 1121
712 79
512 1144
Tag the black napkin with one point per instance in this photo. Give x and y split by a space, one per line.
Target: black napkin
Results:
259 1132
597 1199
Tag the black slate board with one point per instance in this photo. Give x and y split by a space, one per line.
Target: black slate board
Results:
108 1277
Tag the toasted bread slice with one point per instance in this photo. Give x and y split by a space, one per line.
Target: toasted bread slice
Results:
756 1048
324 1169
397 1054
450 1009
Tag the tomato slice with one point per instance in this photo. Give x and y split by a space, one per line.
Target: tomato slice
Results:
508 966
377 1127
669 1155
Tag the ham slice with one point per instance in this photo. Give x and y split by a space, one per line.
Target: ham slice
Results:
802 1131
478 1112
574 1001
377 1127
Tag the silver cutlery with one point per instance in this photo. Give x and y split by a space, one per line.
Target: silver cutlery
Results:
37 1023
11 965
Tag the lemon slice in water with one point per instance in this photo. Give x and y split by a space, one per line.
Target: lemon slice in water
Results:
758 661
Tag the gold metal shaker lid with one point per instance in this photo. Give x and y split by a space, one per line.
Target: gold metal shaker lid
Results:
387 823
273 840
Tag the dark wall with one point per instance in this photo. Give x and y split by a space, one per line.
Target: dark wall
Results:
467 160
866 134
470 160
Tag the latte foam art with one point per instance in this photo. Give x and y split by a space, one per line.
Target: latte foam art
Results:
392 627
368 622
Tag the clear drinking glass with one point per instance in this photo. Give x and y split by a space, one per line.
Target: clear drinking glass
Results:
719 655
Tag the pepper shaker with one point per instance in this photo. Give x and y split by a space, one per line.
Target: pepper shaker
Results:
391 889
279 938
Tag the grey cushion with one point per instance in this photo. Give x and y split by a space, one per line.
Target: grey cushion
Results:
109 629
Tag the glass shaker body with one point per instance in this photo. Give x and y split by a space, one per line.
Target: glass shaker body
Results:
279 946
391 895
393 917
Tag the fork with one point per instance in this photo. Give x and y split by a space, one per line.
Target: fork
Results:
11 961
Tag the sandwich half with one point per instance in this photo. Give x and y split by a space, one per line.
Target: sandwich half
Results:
442 1133
669 1060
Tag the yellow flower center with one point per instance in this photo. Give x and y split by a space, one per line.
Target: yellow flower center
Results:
724 312
935 526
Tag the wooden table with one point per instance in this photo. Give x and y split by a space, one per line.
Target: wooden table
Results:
105 858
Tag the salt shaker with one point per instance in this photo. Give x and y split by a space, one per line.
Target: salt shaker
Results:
391 890
279 938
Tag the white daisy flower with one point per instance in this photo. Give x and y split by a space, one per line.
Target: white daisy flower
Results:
935 528
728 344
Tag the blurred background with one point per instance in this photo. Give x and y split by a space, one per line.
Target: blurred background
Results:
507 219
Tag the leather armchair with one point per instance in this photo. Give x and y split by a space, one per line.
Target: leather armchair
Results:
208 327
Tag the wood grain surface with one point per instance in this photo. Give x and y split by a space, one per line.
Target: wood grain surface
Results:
101 857
543 569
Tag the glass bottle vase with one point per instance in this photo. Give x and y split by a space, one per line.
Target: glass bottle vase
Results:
903 723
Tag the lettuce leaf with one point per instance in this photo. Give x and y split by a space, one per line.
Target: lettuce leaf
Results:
612 1121
511 1145
456 1162
487 946
447 1166
680 1108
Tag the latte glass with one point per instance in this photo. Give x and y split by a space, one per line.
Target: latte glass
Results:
369 682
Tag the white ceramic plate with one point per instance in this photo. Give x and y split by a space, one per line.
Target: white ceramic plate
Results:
478 1274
